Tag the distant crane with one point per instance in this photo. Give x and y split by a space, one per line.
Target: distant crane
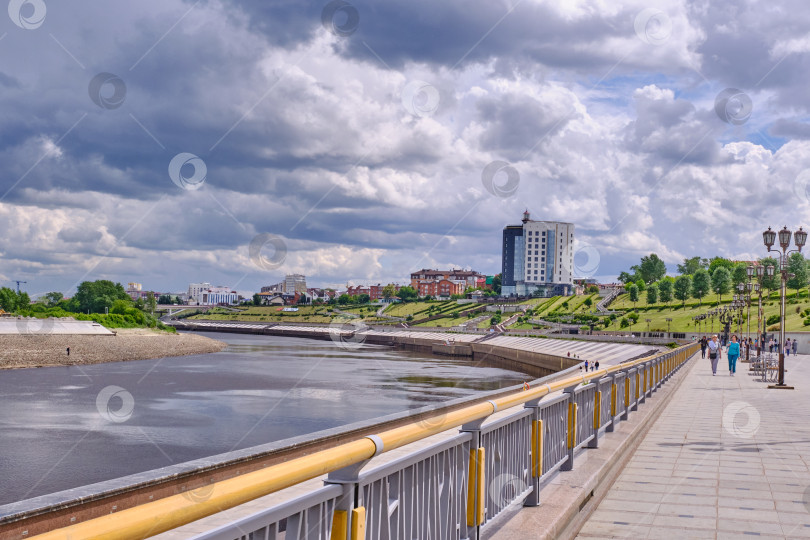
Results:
18 284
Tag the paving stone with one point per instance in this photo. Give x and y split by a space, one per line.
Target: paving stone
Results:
736 465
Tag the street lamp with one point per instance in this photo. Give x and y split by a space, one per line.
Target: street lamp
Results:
648 325
725 321
669 320
768 238
749 271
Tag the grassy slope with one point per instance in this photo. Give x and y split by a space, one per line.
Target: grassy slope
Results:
682 316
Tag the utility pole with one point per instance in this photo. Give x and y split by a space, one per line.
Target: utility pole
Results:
18 284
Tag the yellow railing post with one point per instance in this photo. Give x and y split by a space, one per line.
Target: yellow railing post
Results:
572 425
597 410
613 401
340 525
537 448
475 488
627 394
359 523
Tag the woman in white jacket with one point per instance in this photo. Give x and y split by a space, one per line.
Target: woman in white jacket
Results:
715 351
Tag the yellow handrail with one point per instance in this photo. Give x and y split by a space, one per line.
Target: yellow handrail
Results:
174 511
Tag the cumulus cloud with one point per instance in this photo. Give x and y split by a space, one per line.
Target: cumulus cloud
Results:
365 152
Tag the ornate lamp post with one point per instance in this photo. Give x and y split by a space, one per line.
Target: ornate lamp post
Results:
648 325
769 270
768 238
726 317
750 273
669 320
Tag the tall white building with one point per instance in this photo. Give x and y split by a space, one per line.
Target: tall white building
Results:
195 291
538 258
219 295
295 283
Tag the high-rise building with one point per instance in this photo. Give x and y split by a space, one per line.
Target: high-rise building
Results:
295 283
195 291
538 258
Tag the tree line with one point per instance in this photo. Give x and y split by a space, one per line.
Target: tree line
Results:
700 277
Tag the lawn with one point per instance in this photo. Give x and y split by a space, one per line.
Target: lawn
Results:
410 308
445 322
682 316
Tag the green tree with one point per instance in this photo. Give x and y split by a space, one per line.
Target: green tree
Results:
634 293
651 269
721 281
739 274
652 294
257 300
165 299
701 284
94 296
151 301
53 298
407 294
8 299
642 286
363 299
682 288
797 265
665 289
627 278
496 283
628 285
717 262
588 302
120 307
389 291
692 265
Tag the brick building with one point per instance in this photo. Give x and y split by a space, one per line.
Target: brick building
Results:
444 282
441 287
374 292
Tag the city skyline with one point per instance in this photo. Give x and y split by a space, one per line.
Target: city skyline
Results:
235 142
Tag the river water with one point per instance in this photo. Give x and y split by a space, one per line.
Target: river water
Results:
64 427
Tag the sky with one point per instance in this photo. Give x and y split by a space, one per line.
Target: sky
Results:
234 141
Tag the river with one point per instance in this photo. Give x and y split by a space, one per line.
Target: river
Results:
64 427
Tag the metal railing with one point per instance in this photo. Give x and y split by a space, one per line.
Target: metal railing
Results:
451 489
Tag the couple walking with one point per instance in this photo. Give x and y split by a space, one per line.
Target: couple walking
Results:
716 352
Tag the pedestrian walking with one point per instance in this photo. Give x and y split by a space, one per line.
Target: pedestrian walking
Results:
68 351
733 354
715 352
586 365
703 345
795 347
787 347
596 364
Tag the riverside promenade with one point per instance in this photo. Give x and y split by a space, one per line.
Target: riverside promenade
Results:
728 458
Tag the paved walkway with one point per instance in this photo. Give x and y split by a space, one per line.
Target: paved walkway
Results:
728 458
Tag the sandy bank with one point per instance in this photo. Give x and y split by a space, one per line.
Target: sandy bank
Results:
130 344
